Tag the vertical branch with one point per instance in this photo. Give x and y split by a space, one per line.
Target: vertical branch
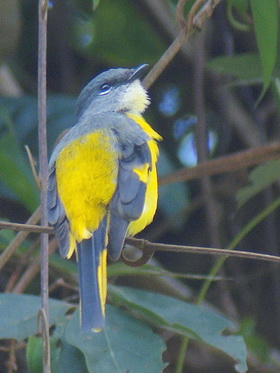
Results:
43 164
202 138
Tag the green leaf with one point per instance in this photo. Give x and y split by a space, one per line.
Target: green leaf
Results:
95 4
18 126
23 114
186 319
70 359
6 236
240 5
260 178
34 353
19 312
125 345
245 66
123 24
254 342
15 172
265 14
276 91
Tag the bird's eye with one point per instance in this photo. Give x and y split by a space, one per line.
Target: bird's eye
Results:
105 88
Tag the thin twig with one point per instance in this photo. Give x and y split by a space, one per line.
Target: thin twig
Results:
194 10
31 228
201 139
13 279
149 248
11 363
32 163
43 165
27 258
165 59
32 270
186 32
20 237
236 240
204 13
180 7
139 243
43 326
60 282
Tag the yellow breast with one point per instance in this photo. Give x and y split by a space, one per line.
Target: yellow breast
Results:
86 172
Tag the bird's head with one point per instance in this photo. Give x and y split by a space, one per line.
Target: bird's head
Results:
118 90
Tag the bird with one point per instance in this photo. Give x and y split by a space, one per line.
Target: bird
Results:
102 182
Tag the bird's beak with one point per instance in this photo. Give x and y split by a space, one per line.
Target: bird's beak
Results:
138 72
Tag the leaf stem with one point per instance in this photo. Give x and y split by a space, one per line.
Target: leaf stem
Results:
236 240
182 354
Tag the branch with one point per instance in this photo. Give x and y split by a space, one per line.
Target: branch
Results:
31 228
20 237
204 13
180 7
149 248
32 271
227 163
195 20
43 165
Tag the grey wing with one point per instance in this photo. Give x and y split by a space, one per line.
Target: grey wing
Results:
128 200
56 214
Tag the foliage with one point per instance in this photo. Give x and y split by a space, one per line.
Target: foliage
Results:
260 178
242 70
266 29
186 319
126 343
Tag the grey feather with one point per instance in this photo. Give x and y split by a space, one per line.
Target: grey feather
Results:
128 201
88 261
62 235
117 234
124 130
56 214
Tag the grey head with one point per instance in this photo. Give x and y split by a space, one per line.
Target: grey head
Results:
117 90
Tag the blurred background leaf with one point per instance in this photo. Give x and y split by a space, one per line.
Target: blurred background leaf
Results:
266 28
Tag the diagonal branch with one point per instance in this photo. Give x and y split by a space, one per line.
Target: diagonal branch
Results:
197 16
229 163
20 237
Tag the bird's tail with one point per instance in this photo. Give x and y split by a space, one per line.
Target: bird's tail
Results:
92 264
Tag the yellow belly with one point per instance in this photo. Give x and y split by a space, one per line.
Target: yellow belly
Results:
86 172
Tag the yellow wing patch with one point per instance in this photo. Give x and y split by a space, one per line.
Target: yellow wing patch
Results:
142 172
149 177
